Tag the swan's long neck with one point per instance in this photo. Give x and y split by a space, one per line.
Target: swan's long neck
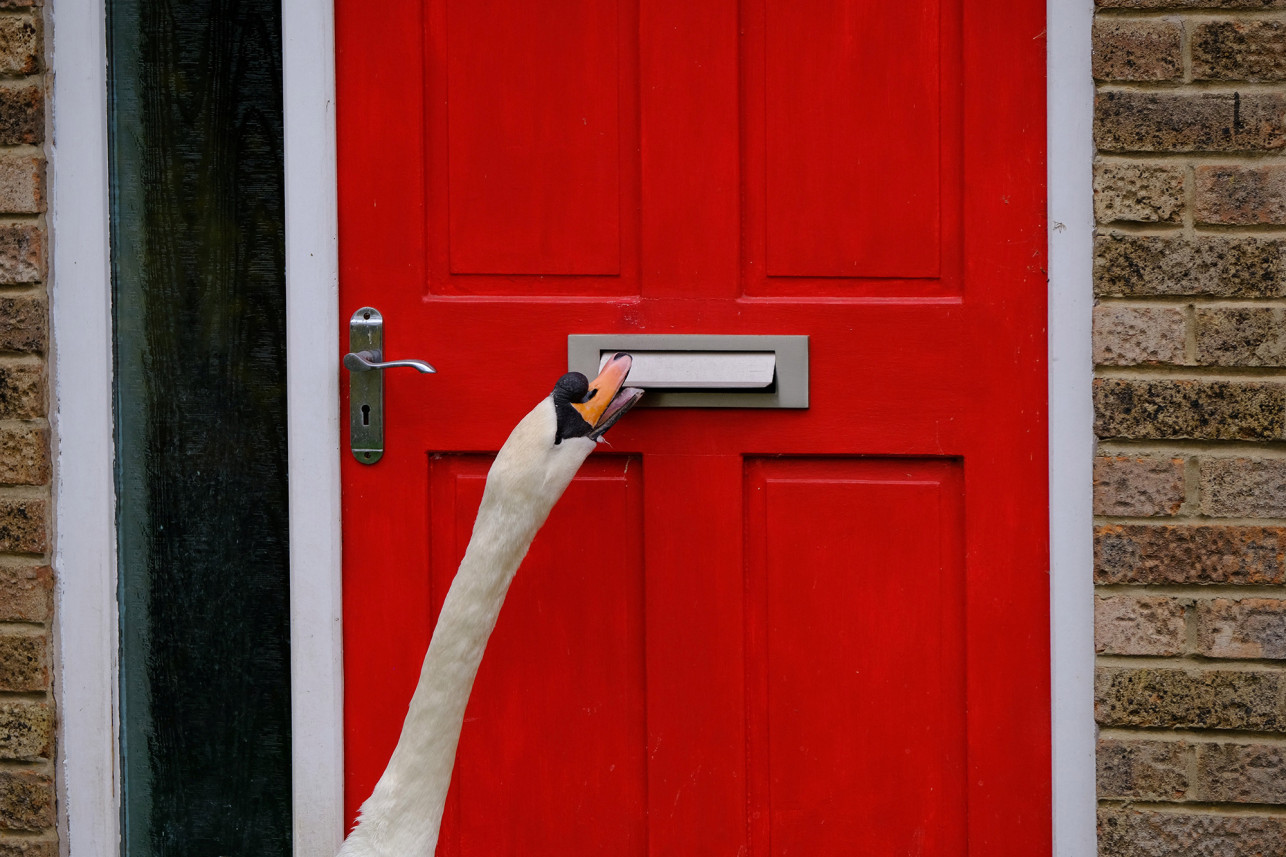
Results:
403 815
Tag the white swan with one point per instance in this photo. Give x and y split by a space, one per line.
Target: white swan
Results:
403 815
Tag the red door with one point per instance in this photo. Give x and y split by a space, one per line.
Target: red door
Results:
816 632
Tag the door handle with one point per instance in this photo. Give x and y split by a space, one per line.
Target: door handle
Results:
366 367
365 361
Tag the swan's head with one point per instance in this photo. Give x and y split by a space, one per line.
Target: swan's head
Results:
549 445
585 408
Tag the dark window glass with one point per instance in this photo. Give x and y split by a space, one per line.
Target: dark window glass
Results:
199 302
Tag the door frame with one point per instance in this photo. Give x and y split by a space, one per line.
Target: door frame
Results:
81 417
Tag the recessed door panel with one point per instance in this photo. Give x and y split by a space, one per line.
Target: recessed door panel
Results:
853 134
533 120
855 574
555 728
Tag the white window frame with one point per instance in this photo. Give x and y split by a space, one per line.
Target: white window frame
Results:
84 502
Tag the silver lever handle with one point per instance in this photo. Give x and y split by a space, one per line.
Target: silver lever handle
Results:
364 361
366 388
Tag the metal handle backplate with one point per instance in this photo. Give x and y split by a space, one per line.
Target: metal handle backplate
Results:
366 383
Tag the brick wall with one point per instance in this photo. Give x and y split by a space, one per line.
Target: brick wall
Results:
1190 398
26 583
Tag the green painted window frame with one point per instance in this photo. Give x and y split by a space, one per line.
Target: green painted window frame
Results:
196 171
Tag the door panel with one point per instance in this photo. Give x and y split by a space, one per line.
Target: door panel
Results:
853 134
822 631
550 205
565 671
855 579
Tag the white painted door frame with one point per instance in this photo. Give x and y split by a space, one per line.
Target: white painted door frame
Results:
84 545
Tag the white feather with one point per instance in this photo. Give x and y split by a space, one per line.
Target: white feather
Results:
403 815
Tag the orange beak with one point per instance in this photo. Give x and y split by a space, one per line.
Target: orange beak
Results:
608 399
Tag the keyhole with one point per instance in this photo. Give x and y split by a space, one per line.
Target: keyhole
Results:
366 415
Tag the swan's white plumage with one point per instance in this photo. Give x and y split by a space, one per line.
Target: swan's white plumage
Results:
404 812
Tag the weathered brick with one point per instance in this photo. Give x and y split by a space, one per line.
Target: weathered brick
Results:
1242 628
1137 487
27 847
1129 625
22 114
26 593
1243 487
22 254
1241 336
24 525
1241 195
20 44
1241 773
1140 265
1190 4
22 184
1194 699
1136 49
26 801
26 731
1202 410
1147 193
22 390
1145 770
1239 50
24 455
1127 833
1133 335
1139 553
24 664
24 323
1129 121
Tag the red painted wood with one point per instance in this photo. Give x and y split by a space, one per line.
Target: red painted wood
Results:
869 175
565 670
853 134
533 148
856 588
